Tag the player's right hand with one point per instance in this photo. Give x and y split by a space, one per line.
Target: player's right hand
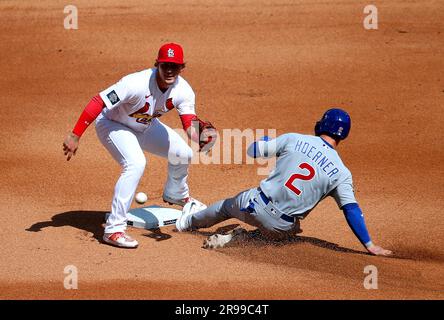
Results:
70 145
378 251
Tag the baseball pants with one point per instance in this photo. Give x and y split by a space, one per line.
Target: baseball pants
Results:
126 146
239 207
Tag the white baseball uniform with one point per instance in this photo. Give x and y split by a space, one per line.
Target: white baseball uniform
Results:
129 125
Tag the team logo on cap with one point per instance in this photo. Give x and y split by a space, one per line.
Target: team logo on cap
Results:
170 53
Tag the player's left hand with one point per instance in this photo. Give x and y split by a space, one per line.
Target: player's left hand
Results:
207 136
70 145
378 251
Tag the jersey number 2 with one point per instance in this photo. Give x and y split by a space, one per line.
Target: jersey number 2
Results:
311 174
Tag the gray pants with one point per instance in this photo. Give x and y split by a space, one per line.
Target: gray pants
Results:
270 225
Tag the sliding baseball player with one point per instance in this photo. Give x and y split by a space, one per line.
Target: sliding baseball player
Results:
308 169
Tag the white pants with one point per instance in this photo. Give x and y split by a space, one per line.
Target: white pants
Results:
127 146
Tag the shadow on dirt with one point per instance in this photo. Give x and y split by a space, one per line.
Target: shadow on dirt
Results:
157 235
91 221
255 239
418 253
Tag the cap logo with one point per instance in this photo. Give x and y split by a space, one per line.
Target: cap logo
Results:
340 130
170 53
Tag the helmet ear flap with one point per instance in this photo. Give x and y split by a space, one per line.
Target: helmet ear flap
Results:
318 128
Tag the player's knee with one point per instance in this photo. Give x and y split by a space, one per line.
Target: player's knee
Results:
181 156
136 166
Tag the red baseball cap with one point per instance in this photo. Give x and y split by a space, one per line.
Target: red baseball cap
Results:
170 52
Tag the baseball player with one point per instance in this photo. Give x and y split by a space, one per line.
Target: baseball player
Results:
127 123
308 169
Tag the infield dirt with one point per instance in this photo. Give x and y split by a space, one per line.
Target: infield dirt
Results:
253 64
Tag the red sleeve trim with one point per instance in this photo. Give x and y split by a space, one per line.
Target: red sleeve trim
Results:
89 114
186 120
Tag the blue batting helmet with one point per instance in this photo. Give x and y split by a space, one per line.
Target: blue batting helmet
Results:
335 123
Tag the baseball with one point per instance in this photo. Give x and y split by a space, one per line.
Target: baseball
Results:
141 197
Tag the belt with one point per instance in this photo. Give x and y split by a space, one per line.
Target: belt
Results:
283 216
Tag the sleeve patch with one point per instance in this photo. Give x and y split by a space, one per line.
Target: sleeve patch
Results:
113 97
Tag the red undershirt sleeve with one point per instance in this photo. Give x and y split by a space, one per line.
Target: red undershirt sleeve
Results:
89 114
186 120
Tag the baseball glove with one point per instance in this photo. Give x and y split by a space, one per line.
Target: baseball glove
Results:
207 136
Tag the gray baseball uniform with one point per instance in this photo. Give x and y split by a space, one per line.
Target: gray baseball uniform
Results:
307 170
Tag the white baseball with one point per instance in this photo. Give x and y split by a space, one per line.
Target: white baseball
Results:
141 197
